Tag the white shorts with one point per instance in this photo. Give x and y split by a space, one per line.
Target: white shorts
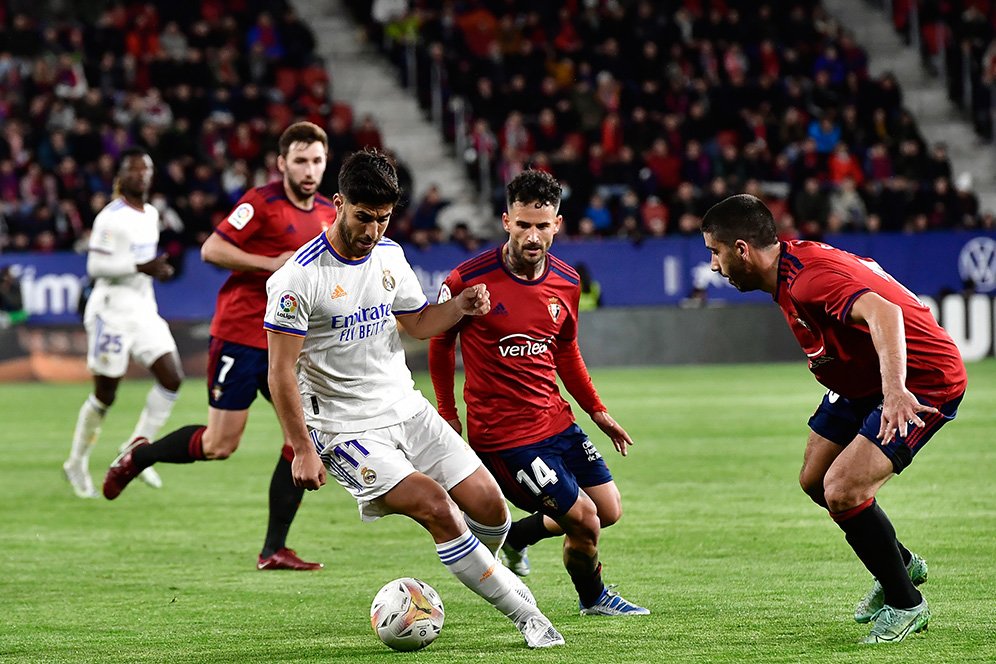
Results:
370 463
112 340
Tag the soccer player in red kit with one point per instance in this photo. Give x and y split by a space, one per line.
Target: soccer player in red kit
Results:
517 421
264 229
894 377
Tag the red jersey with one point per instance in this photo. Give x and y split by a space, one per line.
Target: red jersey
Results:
266 223
512 355
818 285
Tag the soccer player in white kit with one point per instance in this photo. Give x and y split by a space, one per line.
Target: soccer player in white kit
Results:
122 319
347 403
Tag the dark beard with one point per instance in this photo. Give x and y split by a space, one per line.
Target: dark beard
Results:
300 195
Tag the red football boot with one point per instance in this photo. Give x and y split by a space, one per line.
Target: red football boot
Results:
286 559
122 470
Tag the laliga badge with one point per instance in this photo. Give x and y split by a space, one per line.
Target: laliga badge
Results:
287 306
241 215
388 281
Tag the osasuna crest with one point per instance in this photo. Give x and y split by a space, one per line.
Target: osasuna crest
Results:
388 281
554 308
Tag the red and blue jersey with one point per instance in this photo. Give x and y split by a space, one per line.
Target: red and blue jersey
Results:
512 355
818 285
265 222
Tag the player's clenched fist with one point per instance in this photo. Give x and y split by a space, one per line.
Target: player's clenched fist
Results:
476 300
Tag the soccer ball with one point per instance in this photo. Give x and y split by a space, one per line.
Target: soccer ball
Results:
407 614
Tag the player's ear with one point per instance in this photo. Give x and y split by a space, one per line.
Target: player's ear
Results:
560 222
742 248
281 163
504 220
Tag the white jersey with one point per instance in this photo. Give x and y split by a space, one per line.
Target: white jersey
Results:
122 238
351 373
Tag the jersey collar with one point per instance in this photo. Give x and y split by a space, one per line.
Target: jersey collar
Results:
519 280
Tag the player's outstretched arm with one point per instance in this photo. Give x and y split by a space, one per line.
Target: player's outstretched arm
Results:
900 407
217 251
284 349
437 318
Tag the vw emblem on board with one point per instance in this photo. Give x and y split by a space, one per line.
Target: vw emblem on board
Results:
977 261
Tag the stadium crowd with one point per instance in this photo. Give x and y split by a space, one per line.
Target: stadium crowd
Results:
206 88
647 112
651 112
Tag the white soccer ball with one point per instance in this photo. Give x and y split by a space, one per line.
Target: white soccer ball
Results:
407 614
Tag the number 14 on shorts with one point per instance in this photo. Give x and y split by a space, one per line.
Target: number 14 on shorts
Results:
542 476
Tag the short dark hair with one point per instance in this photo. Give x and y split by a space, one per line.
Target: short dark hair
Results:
302 132
128 153
741 217
369 177
533 186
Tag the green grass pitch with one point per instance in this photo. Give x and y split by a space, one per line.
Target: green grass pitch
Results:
717 539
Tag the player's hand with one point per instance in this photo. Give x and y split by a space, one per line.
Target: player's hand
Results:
308 471
277 262
620 439
457 426
475 301
158 268
900 409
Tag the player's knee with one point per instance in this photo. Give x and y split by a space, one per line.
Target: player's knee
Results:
608 516
171 383
439 514
609 510
582 527
840 495
106 395
812 485
219 447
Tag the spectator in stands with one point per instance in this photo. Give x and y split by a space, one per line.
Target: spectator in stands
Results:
367 135
847 209
425 218
811 207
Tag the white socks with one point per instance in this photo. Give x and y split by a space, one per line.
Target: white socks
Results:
490 536
87 429
158 406
476 567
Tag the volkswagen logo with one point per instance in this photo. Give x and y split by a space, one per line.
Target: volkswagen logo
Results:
977 261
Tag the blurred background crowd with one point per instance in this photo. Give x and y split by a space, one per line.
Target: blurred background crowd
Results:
647 112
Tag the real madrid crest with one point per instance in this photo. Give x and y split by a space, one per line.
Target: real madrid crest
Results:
554 308
368 475
388 281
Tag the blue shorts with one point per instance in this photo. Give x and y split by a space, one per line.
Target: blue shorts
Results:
839 420
546 476
235 374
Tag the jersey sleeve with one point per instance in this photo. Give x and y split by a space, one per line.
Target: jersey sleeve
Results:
109 252
442 354
573 371
408 295
829 287
569 330
288 301
245 219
